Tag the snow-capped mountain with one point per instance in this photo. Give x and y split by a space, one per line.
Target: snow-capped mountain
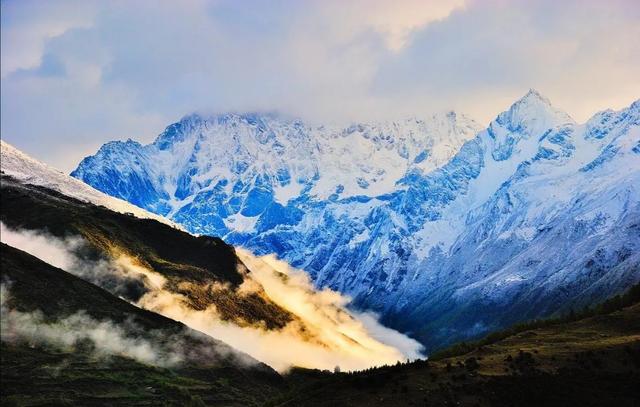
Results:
447 230
226 173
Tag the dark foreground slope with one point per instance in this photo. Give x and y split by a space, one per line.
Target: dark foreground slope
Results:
593 361
190 264
38 372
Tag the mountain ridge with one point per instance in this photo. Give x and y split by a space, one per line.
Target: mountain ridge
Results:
21 166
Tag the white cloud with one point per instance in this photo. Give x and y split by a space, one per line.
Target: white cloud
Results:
77 74
107 337
395 21
31 24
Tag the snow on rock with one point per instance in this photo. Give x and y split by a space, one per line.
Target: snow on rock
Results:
28 170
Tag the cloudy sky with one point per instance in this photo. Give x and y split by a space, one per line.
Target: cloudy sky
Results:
76 74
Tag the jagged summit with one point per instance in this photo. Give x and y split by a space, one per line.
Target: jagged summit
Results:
533 113
285 153
536 95
116 145
534 98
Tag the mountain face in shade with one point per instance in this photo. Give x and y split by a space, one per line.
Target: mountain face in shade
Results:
448 230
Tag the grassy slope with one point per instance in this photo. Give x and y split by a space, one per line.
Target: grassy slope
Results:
35 374
594 361
179 256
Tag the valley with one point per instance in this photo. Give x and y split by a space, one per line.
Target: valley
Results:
98 335
265 308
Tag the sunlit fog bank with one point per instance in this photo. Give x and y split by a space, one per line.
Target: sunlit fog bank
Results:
323 334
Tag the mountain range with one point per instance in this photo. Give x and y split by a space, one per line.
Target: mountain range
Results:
106 303
446 229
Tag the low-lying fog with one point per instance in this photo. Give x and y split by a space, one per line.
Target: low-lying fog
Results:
325 333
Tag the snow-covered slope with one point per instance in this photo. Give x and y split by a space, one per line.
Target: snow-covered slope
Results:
15 163
447 230
232 173
550 226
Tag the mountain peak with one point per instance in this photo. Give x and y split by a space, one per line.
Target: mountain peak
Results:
230 116
534 95
536 101
533 113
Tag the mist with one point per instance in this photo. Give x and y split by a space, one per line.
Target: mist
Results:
107 338
323 334
359 339
119 275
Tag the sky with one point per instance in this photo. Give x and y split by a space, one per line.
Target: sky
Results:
76 74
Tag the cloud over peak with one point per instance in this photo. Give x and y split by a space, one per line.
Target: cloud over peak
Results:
95 71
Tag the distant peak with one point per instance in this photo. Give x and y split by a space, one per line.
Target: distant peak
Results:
534 97
533 111
191 117
534 93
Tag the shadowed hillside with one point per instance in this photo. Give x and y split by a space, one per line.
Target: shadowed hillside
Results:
190 264
187 367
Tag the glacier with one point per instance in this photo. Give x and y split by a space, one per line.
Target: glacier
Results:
448 230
